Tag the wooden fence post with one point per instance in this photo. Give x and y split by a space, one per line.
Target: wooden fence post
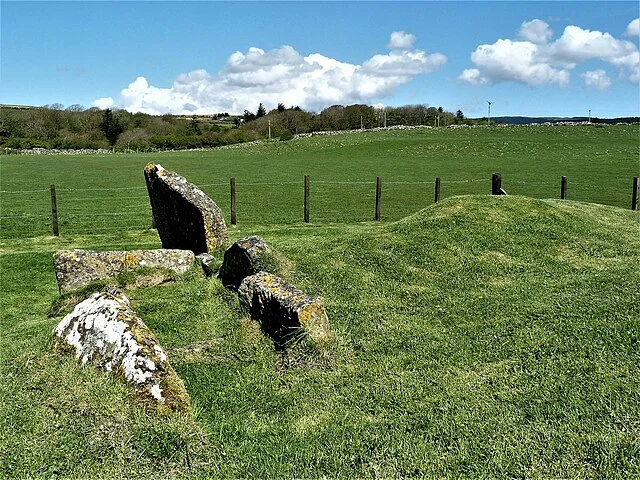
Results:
437 196
233 201
634 197
54 211
496 183
378 197
306 199
563 188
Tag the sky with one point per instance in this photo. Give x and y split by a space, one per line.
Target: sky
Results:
530 58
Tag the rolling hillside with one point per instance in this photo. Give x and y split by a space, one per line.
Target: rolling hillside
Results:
480 336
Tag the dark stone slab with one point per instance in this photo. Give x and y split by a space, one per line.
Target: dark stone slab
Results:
242 259
284 312
185 217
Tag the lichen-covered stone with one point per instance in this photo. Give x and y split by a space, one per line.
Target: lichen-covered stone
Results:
207 261
105 331
185 217
242 259
284 312
77 268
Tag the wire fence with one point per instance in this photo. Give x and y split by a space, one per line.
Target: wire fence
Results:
93 211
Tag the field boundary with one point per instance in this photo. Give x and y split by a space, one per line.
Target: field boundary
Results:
71 218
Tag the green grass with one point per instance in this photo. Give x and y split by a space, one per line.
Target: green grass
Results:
106 194
479 337
492 337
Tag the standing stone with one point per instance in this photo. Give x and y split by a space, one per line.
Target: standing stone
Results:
284 312
242 259
77 268
185 217
103 330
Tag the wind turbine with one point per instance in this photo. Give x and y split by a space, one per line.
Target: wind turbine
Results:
489 116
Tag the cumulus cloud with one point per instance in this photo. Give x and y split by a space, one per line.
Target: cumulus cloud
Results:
633 29
537 61
102 103
401 41
473 76
596 79
517 61
283 75
535 31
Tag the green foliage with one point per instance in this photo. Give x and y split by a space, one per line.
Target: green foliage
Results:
110 126
286 135
77 128
194 126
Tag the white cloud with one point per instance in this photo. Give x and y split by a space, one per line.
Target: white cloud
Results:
535 31
536 61
283 75
401 41
596 79
102 103
578 45
473 76
403 64
633 29
516 61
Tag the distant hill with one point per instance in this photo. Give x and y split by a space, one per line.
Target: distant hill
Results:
536 120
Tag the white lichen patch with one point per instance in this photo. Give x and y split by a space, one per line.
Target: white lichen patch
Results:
156 391
104 330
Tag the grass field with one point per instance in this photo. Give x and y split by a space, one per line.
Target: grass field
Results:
105 194
492 337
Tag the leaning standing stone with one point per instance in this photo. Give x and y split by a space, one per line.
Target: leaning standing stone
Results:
284 312
242 259
185 217
103 330
77 268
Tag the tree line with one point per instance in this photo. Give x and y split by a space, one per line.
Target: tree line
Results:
77 128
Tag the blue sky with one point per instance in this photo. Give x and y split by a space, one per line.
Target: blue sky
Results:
530 58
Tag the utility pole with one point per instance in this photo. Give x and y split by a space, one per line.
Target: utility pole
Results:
489 116
589 115
269 129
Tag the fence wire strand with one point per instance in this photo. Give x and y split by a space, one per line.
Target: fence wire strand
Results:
77 217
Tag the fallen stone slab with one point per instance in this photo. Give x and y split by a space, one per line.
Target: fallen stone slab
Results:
77 268
284 312
242 259
103 330
186 218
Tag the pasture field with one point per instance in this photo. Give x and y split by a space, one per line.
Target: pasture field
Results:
479 337
105 194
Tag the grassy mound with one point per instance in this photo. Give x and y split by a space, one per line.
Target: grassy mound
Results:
481 336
